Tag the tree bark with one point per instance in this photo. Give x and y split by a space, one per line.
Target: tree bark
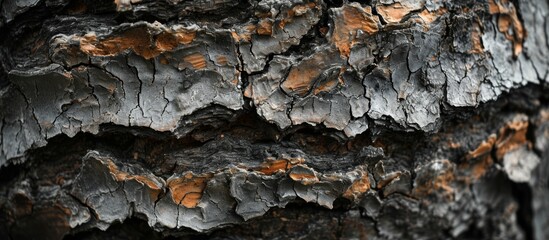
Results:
381 119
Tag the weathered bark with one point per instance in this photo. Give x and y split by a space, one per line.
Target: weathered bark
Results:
382 119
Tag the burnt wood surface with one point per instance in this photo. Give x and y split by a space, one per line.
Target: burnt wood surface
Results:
274 119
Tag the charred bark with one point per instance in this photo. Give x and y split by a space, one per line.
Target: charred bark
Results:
383 119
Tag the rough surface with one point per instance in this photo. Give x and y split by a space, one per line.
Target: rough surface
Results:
383 119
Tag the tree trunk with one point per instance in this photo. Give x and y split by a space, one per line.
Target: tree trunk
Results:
381 119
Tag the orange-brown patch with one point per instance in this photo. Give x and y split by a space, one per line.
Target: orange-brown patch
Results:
221 60
272 166
163 60
267 14
244 34
184 36
138 39
187 190
393 13
235 36
330 84
481 166
122 5
236 79
166 42
68 75
480 159
265 27
441 181
248 92
197 60
386 179
323 31
493 7
359 186
302 176
483 149
511 137
453 145
348 21
301 9
120 176
476 35
302 78
326 86
427 17
508 23
296 10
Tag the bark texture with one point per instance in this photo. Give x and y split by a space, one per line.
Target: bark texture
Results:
381 119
